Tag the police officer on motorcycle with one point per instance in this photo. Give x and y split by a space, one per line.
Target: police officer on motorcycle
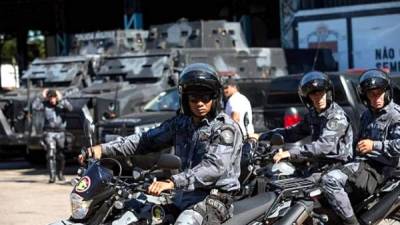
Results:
54 130
326 123
207 141
377 148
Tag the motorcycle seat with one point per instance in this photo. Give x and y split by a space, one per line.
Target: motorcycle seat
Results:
248 209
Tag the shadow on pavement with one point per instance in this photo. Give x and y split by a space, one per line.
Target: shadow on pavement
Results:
29 169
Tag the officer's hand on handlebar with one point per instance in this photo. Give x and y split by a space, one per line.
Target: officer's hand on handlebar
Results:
263 147
93 152
281 155
159 186
254 136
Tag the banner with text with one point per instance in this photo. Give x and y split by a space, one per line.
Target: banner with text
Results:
376 42
331 34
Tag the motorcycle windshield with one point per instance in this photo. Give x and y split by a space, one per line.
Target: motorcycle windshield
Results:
94 182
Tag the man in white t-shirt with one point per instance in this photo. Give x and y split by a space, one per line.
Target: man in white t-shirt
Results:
237 105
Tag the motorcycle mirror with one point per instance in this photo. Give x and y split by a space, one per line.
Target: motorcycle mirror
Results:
246 119
88 129
277 139
169 161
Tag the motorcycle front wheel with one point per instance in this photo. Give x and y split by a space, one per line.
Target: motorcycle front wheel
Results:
389 222
394 219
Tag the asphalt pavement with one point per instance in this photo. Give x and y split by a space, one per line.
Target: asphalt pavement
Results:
26 196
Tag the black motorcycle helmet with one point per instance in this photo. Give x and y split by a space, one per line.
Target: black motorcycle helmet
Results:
199 78
372 79
315 81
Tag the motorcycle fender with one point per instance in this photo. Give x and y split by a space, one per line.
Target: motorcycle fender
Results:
280 208
127 218
65 222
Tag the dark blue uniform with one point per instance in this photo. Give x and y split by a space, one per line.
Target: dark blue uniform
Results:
384 129
331 135
210 154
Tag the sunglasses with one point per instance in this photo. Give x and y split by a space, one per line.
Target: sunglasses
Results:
199 98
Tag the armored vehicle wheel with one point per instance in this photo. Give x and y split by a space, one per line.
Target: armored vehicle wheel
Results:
36 157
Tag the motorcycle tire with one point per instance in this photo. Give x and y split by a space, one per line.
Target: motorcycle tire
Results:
389 222
394 219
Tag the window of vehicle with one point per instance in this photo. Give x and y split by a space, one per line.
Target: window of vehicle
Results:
395 78
254 89
284 91
340 95
165 101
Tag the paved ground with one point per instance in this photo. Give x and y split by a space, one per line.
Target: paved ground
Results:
27 198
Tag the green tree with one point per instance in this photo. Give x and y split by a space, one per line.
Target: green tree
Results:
9 50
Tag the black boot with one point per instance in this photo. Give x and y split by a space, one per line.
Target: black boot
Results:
52 170
52 179
60 176
60 170
60 165
351 221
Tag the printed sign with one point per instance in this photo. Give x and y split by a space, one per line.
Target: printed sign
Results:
376 43
331 34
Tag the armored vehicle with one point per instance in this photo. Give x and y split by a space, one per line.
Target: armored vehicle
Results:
133 79
156 111
159 109
196 34
222 44
219 43
67 74
96 46
109 42
125 82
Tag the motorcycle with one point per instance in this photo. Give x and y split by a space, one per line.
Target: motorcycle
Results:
380 208
270 193
99 197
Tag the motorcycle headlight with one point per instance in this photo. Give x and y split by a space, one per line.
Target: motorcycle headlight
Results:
79 207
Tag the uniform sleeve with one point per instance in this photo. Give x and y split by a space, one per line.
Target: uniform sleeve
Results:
327 144
37 104
363 128
217 161
291 134
66 105
153 140
391 146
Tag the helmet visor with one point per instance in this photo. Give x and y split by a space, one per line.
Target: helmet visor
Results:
197 90
314 86
373 81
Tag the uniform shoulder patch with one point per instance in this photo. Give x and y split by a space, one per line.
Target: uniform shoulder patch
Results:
333 124
227 136
397 113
